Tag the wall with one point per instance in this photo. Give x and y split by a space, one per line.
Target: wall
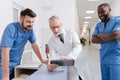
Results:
76 20
5 14
65 9
115 8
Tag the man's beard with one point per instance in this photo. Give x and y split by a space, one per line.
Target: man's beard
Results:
25 28
105 17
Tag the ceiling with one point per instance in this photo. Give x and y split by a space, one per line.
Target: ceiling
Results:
83 6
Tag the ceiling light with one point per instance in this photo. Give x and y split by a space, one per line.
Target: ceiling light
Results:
86 22
90 11
84 30
47 7
93 0
85 25
88 17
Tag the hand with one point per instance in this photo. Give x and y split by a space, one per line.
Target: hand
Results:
51 67
44 61
64 58
100 35
5 78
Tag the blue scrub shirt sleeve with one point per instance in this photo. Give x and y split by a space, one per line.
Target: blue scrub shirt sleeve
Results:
8 36
117 26
32 38
96 30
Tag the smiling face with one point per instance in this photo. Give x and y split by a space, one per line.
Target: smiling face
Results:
104 13
27 22
27 19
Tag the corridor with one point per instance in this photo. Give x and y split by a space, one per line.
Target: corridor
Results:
93 58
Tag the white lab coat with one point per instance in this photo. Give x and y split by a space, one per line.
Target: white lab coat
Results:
71 48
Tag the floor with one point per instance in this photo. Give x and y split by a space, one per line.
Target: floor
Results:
93 55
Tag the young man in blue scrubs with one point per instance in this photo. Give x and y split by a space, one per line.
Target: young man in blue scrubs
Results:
107 33
14 38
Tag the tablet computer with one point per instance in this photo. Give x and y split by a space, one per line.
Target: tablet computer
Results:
69 62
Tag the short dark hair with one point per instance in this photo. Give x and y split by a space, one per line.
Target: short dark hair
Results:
28 12
104 4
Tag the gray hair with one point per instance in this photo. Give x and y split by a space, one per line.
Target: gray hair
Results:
52 18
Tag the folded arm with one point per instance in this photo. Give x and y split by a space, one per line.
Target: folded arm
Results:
110 37
97 40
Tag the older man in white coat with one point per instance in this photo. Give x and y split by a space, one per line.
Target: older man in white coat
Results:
67 48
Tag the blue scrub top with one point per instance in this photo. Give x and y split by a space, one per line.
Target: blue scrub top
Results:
110 51
15 38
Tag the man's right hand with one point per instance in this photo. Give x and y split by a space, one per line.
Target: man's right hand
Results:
51 67
44 61
64 58
5 78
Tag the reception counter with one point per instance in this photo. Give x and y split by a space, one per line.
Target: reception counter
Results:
60 73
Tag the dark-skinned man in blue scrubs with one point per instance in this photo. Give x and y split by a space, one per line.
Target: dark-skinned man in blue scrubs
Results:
107 33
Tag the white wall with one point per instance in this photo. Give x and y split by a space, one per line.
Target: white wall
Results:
5 14
65 9
76 20
115 8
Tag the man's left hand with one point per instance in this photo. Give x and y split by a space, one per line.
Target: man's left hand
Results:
64 58
44 61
